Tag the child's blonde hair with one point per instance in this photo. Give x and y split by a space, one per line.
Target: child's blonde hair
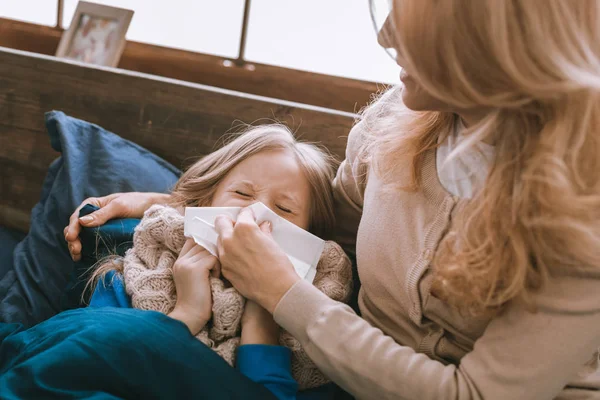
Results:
197 185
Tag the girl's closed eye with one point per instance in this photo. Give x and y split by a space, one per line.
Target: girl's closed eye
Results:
243 194
285 210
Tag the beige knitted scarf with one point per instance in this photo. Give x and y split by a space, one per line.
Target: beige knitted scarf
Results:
148 277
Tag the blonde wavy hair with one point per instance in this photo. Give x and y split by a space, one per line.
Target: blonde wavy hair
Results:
197 185
534 67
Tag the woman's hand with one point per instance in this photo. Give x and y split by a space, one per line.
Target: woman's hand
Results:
191 273
258 326
252 261
118 205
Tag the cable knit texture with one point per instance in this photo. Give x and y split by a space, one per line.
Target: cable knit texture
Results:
148 275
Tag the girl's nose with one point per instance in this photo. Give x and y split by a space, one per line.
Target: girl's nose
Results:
267 201
262 198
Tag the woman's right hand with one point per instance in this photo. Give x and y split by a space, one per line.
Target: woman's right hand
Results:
118 205
191 273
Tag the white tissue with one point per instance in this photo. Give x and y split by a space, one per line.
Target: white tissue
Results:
302 248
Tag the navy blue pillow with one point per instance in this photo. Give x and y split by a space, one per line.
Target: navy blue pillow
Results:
9 239
93 163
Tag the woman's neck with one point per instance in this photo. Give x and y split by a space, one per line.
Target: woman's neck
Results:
470 118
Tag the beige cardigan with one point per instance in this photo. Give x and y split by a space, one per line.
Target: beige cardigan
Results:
409 344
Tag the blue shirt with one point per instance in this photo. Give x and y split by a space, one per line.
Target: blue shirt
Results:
264 364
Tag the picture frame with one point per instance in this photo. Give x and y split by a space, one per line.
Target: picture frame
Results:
96 34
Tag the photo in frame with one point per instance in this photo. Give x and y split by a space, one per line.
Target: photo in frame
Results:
96 34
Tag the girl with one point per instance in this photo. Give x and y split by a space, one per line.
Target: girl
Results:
477 188
164 272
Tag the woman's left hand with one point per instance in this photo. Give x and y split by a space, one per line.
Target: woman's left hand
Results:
252 261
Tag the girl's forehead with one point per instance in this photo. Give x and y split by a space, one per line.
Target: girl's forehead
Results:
281 173
269 162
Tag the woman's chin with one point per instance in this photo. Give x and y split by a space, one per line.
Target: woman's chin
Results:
411 99
417 100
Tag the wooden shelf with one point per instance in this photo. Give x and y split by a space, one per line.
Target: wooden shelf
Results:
179 121
266 80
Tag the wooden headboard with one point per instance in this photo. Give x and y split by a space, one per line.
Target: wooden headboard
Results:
176 120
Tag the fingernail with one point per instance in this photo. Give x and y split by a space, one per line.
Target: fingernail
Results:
86 219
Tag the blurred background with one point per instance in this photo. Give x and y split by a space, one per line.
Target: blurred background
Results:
332 37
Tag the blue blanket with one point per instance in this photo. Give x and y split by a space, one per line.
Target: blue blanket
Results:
109 353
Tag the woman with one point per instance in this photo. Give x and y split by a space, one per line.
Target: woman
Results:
477 190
